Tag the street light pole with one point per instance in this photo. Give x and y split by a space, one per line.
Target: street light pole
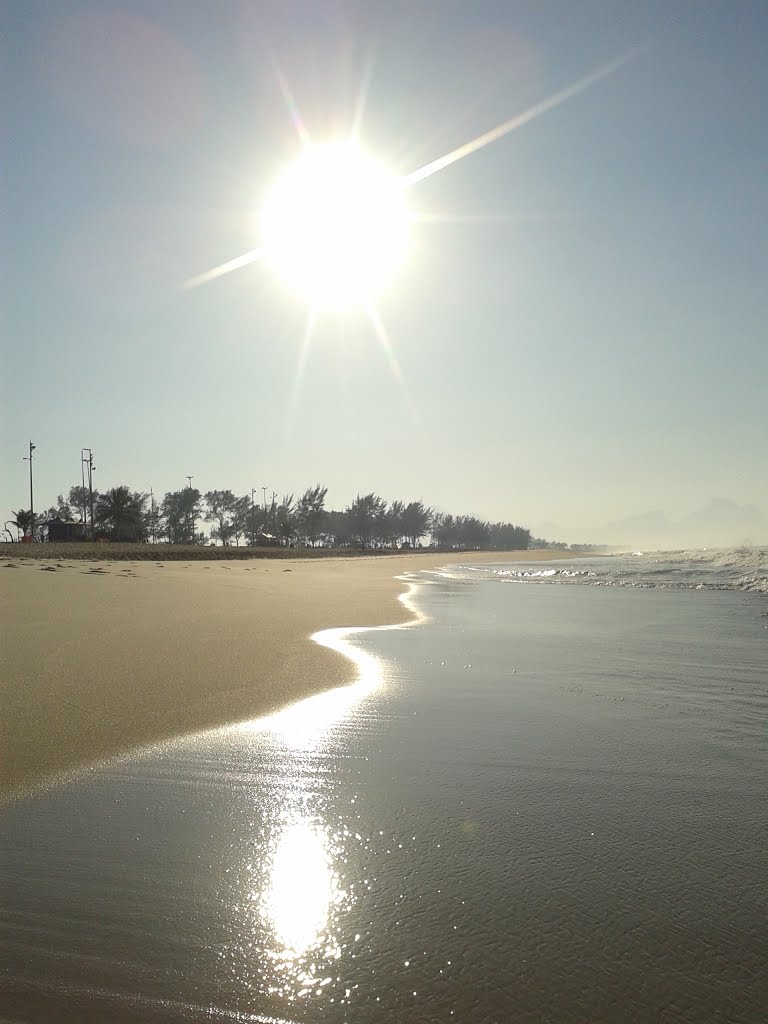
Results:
91 468
28 458
83 509
89 463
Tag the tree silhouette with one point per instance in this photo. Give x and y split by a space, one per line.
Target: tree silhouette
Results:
368 521
220 509
416 521
240 511
285 523
390 524
22 520
310 513
364 515
79 500
120 512
180 510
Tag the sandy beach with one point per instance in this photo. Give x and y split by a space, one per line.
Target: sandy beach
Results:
102 657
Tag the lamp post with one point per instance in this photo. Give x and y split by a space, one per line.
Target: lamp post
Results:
83 509
88 463
28 458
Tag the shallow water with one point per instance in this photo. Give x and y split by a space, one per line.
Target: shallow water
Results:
545 804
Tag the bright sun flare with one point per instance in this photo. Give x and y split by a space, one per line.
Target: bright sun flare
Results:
334 225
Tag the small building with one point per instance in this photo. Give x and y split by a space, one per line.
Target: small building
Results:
266 540
60 531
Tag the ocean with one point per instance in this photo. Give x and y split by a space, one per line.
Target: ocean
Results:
543 801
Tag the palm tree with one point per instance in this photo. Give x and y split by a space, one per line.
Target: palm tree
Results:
120 512
22 520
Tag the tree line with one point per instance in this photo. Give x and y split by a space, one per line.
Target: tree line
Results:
122 514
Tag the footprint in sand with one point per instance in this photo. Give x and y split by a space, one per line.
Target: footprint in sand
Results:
47 568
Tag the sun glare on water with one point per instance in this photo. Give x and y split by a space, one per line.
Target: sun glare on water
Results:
334 226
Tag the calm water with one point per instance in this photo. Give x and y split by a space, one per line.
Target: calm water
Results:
547 803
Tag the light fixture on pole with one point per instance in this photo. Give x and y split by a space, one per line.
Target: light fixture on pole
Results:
87 464
83 507
28 458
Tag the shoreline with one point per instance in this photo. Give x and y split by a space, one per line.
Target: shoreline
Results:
103 659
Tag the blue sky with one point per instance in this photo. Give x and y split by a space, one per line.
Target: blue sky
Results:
588 342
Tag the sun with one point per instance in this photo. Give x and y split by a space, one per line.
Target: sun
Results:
334 226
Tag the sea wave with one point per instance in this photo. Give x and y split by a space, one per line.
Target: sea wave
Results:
742 569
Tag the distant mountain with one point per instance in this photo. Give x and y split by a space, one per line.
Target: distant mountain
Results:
724 522
721 523
648 524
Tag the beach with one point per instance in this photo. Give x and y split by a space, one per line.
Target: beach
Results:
100 657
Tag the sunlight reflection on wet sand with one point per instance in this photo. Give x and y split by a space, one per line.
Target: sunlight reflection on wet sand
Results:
298 895
303 726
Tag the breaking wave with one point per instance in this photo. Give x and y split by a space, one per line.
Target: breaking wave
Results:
743 569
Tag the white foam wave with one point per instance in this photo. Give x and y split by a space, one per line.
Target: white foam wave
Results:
743 569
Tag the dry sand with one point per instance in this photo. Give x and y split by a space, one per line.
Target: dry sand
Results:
99 658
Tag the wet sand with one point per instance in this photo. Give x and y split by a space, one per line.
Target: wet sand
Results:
101 658
544 803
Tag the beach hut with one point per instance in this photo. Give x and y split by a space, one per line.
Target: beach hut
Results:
60 531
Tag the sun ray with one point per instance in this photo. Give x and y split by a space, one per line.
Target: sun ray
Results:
362 98
555 100
492 218
306 345
291 104
386 345
223 268
427 170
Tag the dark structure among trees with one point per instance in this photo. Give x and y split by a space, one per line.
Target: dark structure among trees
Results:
60 531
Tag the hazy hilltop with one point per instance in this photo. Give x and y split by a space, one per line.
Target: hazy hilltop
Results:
721 523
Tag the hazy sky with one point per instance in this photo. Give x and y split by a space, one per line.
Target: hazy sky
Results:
588 338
